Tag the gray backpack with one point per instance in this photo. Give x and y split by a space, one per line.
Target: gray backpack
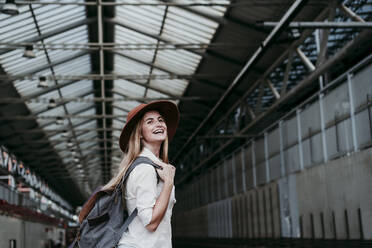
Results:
104 217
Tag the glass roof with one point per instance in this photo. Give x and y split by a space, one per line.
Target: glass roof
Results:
152 42
151 35
156 26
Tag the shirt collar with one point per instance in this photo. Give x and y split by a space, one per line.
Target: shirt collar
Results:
147 153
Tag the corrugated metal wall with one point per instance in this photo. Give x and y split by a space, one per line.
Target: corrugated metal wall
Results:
264 188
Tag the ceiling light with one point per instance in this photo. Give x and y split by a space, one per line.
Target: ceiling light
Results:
10 8
69 143
42 82
73 152
29 53
64 134
76 159
295 33
59 120
52 103
79 166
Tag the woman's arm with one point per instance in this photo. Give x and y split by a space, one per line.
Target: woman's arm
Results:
167 175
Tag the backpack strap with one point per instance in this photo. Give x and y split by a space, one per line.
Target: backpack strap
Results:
137 161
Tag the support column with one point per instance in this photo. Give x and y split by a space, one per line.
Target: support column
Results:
267 165
243 169
352 112
254 164
282 165
299 134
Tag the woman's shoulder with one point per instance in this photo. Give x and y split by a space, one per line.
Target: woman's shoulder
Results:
144 168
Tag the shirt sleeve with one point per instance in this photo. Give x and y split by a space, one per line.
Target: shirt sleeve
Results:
144 176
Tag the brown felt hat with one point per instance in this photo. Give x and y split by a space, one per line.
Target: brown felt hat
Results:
167 109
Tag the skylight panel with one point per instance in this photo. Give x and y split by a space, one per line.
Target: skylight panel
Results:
173 87
210 10
78 66
77 106
197 20
89 135
58 111
180 62
127 88
36 107
77 88
29 87
17 28
127 105
88 124
118 111
154 94
144 18
126 36
124 66
59 17
15 64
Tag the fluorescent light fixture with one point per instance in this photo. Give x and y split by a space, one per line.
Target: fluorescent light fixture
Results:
10 8
52 103
64 134
29 52
59 120
42 82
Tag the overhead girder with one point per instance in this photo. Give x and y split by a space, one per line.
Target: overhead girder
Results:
224 20
162 39
295 92
274 34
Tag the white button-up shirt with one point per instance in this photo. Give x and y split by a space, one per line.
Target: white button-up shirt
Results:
142 190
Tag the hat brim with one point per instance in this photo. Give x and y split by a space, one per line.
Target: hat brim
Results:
167 109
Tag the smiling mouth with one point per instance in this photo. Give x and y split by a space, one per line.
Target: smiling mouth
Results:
158 132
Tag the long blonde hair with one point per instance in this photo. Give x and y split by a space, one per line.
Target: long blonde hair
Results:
134 149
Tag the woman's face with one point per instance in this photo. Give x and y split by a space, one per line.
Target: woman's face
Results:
153 128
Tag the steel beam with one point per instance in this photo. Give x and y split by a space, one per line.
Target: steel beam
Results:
66 116
305 83
305 60
112 76
350 13
289 15
170 4
97 99
322 25
224 136
286 54
102 72
162 39
112 46
223 20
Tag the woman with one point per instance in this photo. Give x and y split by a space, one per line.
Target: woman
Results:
146 133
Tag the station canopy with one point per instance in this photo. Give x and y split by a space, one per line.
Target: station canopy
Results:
72 70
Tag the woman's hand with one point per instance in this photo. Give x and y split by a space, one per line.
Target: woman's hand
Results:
167 172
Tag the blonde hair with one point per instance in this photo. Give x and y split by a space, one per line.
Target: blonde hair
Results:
134 148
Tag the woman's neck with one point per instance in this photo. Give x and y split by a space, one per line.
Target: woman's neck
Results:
154 148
